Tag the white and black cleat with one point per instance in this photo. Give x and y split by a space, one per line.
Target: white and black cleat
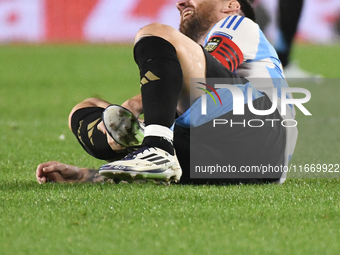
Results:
146 163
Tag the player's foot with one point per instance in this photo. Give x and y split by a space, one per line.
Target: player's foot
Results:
146 163
294 71
123 126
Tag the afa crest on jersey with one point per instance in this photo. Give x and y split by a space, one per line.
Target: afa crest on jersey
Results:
215 40
213 44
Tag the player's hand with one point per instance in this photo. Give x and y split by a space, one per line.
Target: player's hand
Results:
115 146
54 171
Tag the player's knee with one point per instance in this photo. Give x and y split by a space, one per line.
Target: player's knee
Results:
156 29
74 109
86 103
89 102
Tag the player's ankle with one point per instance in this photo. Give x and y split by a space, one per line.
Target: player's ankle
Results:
159 142
160 137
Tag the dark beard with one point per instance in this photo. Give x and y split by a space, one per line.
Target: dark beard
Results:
200 22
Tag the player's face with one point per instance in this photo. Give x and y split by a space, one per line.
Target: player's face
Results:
198 16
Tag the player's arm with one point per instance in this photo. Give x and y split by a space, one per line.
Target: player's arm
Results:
135 105
225 51
54 171
233 41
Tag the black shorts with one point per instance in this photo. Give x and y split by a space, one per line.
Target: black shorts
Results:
243 146
238 146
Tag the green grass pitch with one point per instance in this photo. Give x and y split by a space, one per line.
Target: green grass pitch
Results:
39 85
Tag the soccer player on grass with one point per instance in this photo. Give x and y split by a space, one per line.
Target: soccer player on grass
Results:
234 47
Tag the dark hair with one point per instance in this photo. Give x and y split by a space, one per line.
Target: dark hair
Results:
247 9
